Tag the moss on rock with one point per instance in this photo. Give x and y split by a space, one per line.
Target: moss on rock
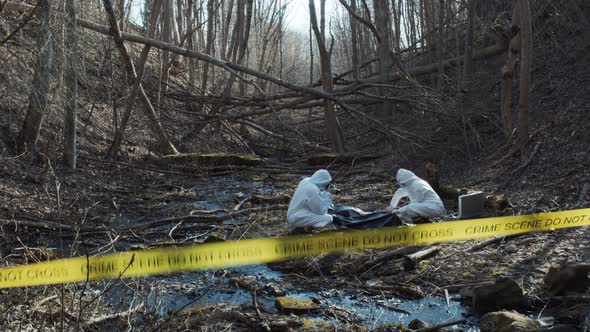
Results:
290 305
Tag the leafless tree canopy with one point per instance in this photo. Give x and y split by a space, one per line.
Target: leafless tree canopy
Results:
230 75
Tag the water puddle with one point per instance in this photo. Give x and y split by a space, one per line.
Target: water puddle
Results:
164 294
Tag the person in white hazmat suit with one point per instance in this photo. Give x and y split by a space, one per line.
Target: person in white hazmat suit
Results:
424 202
311 201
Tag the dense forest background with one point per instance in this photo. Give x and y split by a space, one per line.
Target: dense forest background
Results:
413 79
121 128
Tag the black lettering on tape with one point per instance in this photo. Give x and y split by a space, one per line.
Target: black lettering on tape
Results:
431 234
371 240
294 248
45 273
338 243
10 275
232 253
395 237
574 219
100 267
482 229
523 224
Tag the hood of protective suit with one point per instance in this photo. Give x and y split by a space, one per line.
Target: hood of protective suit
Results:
309 204
404 177
321 178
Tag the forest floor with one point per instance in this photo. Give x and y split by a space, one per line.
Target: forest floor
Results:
356 290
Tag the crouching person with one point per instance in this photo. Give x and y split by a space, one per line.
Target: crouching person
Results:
424 202
311 201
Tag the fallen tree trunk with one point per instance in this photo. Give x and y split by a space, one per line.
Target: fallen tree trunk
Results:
484 53
410 261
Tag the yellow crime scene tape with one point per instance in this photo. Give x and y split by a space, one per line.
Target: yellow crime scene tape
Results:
265 250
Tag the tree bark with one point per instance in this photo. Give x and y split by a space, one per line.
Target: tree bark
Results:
165 144
440 45
525 75
71 86
354 42
38 98
334 131
167 14
382 18
468 64
396 14
225 29
191 38
509 70
208 47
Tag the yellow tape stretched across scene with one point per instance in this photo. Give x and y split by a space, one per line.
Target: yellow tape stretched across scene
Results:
255 251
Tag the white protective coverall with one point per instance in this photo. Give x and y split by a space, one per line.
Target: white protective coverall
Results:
424 202
310 202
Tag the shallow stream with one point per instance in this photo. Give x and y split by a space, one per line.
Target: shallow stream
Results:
162 294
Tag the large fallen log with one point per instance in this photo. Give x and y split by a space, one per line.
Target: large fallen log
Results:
484 53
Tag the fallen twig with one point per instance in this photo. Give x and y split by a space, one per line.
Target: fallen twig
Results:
492 241
583 195
102 319
46 225
528 161
388 307
441 325
241 203
411 260
468 284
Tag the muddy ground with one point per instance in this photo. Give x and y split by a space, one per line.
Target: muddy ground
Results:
355 290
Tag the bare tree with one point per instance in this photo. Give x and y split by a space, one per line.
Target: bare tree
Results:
333 126
190 44
133 92
509 71
382 19
209 45
165 144
468 62
71 86
354 42
38 98
525 74
396 14
166 19
440 44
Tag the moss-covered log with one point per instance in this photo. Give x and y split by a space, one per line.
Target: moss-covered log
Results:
324 159
213 159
